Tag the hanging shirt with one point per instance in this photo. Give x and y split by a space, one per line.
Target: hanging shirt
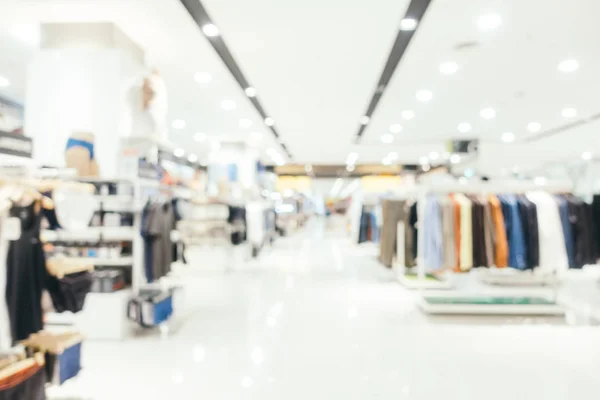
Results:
567 229
5 336
449 232
517 256
528 213
432 235
456 205
501 245
466 232
553 252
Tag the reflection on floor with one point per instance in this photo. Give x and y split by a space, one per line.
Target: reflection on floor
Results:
318 318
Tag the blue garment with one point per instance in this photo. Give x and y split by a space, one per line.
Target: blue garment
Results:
517 248
81 143
374 228
69 363
432 225
567 229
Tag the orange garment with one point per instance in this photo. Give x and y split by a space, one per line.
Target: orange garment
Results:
501 257
456 231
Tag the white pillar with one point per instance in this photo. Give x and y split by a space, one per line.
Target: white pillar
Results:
78 82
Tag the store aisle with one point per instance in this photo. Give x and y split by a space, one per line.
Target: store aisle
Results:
319 318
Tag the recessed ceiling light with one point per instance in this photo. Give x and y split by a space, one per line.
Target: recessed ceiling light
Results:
426 167
228 105
408 114
434 155
386 161
364 120
396 128
4 82
250 91
350 167
568 66
508 137
487 113
393 155
534 127
178 152
408 24
178 124
200 136
387 138
202 77
448 68
245 123
569 112
489 22
352 157
586 155
424 95
455 158
464 127
192 158
269 121
210 30
423 160
256 135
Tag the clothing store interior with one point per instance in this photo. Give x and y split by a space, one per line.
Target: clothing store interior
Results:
325 199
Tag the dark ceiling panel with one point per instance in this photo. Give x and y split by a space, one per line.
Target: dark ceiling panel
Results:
416 10
201 17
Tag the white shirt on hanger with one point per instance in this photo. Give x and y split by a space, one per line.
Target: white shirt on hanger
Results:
553 251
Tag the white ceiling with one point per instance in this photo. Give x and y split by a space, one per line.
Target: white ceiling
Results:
315 65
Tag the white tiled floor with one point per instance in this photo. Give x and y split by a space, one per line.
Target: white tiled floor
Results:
318 318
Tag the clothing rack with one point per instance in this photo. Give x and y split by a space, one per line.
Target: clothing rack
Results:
462 301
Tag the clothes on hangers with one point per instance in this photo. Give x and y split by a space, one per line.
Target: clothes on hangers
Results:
26 274
5 336
529 221
501 243
393 211
517 250
158 221
432 235
553 252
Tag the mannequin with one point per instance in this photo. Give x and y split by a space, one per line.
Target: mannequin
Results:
79 154
148 106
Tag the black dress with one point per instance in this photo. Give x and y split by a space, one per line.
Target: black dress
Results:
26 275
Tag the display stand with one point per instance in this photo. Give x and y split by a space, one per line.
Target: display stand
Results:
514 294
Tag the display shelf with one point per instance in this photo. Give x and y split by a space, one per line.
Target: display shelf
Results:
489 305
117 203
120 233
515 278
102 261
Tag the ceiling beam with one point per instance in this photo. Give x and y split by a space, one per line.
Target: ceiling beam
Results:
416 10
199 14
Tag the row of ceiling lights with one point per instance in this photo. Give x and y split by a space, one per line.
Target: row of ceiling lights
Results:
211 31
485 23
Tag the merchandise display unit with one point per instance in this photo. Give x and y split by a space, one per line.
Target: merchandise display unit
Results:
511 293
